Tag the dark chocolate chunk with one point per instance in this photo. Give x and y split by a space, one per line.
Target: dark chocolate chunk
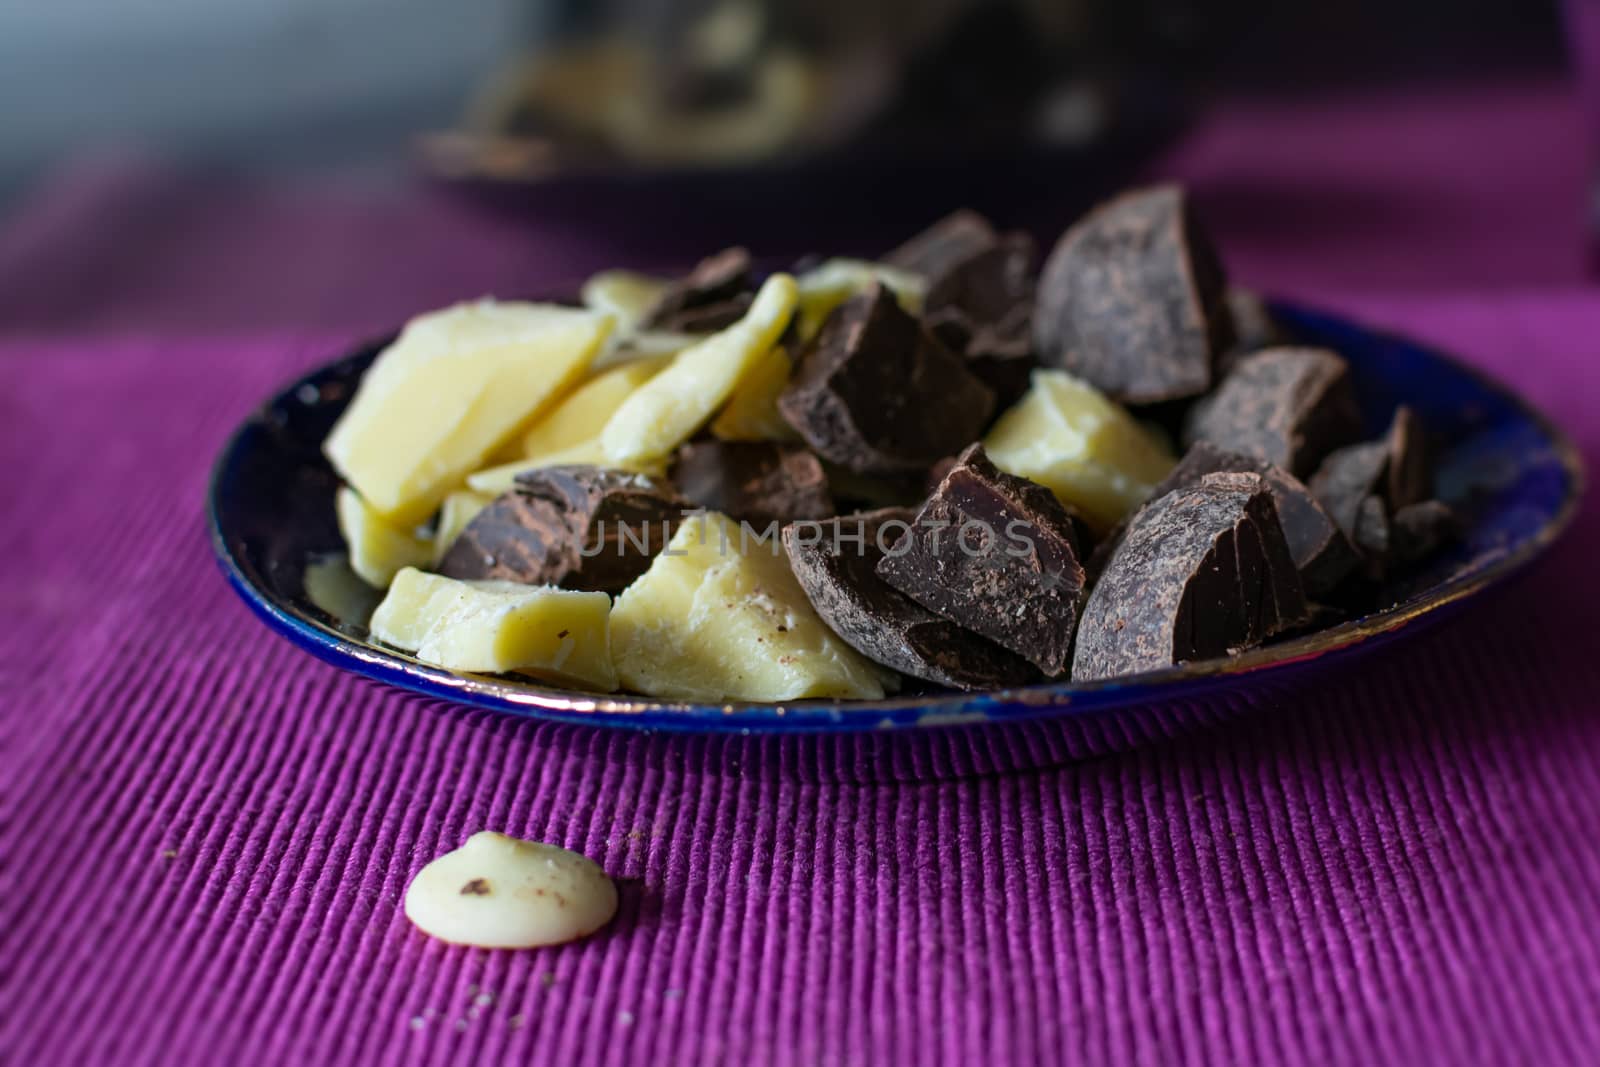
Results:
1416 530
835 562
994 554
1287 406
1409 478
753 481
1131 300
979 299
1204 571
1253 325
707 318
1371 532
867 492
988 284
576 526
999 352
877 394
951 240
716 280
1321 551
1393 468
1347 477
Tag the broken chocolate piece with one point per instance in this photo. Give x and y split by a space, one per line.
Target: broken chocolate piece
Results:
1204 571
983 308
718 279
1371 533
994 554
1287 406
753 481
1321 551
1410 479
877 394
580 527
835 562
707 318
988 284
951 240
1393 468
1416 530
1131 300
1253 325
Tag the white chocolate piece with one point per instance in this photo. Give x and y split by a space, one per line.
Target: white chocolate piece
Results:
718 618
581 416
752 412
625 295
456 385
497 891
668 409
834 281
561 635
378 549
1068 436
458 509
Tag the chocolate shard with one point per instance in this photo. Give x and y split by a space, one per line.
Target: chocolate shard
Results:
1371 532
1131 300
983 309
835 562
718 279
1287 406
994 554
1320 549
1410 476
707 318
988 284
1393 468
877 394
948 242
1416 530
1204 571
753 481
581 527
1254 328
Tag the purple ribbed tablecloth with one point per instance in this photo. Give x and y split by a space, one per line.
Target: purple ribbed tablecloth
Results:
206 835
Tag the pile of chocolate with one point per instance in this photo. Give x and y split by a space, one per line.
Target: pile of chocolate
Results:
1278 518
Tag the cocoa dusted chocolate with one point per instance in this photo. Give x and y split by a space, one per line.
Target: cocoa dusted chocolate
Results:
1131 300
1393 468
835 562
1204 571
1320 548
1287 406
994 554
876 393
753 481
580 527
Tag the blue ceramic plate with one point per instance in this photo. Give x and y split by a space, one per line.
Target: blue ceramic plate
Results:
1512 474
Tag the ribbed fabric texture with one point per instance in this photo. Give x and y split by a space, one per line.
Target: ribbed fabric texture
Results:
209 833
205 835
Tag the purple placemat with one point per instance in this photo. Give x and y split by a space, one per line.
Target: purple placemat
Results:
205 834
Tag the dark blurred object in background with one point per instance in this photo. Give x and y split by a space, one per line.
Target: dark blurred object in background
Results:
1583 32
742 83
301 84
